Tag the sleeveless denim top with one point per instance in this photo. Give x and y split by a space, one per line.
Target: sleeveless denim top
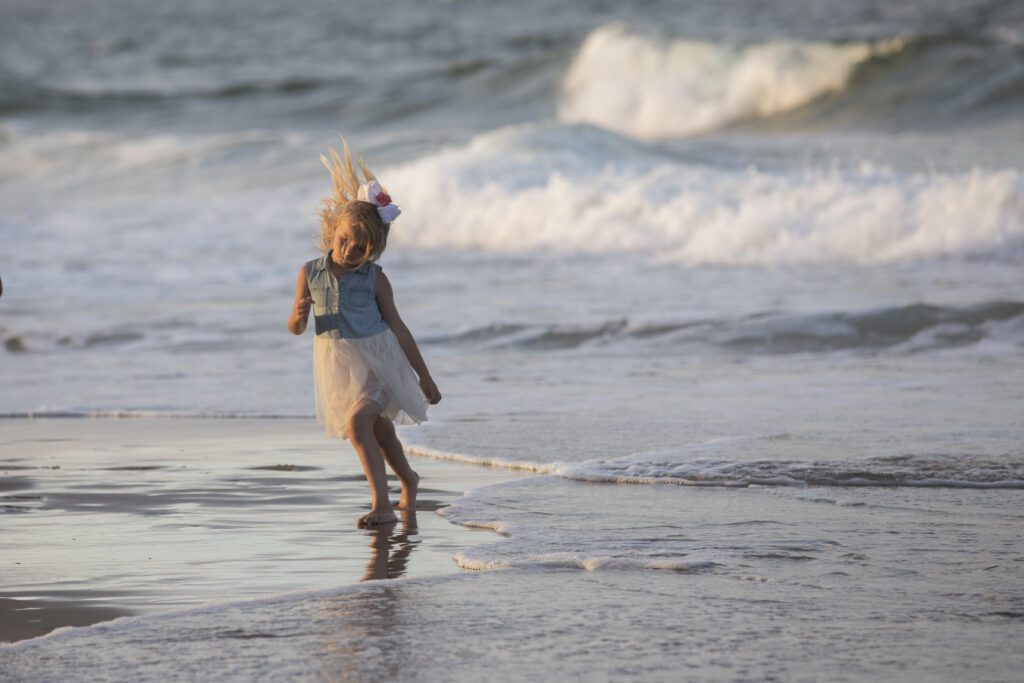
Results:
345 307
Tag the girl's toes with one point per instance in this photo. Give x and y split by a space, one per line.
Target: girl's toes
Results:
376 518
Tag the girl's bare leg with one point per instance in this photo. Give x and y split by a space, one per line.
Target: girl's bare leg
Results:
384 431
361 433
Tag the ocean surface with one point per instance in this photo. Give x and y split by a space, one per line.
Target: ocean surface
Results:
741 282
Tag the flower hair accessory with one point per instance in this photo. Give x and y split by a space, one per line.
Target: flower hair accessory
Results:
372 192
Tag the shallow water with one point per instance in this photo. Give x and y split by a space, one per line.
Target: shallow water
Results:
545 623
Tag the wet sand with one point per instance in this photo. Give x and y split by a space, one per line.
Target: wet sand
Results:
111 517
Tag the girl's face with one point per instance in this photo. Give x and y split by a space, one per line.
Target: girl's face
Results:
349 247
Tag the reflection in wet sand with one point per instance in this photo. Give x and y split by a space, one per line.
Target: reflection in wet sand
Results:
390 548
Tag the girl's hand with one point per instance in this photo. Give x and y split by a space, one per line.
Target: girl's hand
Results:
430 390
300 308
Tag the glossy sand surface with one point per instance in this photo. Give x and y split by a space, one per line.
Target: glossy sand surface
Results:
109 517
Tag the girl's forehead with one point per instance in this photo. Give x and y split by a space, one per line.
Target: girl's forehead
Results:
346 229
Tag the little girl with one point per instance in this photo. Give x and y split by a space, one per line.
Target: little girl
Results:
367 368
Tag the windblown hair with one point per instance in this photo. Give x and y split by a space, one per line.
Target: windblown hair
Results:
343 207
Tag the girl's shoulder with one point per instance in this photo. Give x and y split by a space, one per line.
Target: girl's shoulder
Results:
374 272
313 265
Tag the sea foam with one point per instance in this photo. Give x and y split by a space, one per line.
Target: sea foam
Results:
925 470
685 466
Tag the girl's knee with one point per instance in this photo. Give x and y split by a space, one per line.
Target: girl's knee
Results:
361 426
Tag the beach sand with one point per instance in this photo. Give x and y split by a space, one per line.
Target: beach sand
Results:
112 517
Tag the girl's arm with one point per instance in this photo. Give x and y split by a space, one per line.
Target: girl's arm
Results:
386 301
300 309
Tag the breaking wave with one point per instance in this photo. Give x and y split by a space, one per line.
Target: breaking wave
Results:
650 88
576 189
655 87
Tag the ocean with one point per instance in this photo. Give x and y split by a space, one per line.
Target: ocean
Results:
740 283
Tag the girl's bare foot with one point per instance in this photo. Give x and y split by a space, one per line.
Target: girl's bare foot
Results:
409 488
377 516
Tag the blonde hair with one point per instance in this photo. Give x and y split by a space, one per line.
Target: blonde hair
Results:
343 208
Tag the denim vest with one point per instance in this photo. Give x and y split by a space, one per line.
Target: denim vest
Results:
345 307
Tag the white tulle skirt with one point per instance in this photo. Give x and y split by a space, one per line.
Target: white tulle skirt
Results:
371 373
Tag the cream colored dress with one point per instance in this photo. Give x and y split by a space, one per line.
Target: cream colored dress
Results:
367 373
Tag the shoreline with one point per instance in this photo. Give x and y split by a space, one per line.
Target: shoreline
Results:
108 517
